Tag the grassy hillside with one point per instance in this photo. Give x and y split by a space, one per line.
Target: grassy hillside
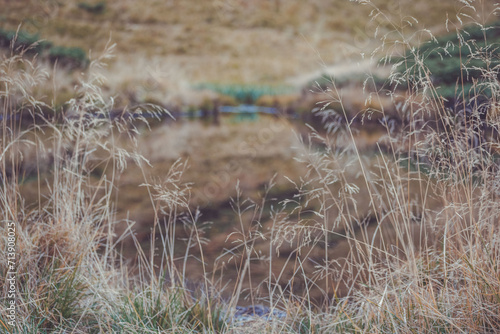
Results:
228 41
400 239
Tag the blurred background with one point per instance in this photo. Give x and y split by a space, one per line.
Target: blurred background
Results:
240 80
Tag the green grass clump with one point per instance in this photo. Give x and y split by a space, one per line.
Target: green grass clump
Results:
23 42
456 61
71 57
365 243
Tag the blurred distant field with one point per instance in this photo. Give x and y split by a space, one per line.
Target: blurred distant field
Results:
178 43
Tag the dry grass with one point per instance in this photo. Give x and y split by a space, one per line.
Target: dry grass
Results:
418 228
228 41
